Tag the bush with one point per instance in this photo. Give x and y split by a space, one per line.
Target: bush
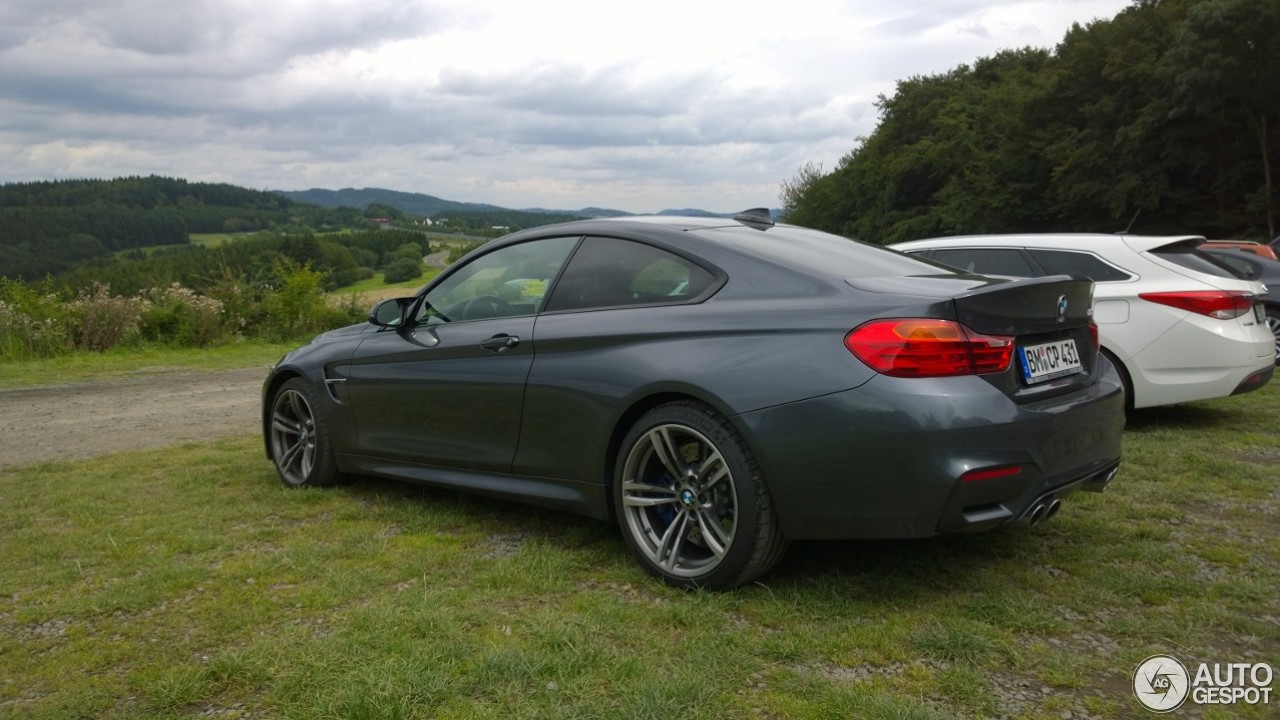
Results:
403 270
409 251
295 305
33 323
99 321
178 316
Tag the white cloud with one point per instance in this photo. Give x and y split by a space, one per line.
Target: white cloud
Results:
640 106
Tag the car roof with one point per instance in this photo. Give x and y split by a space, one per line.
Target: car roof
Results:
749 239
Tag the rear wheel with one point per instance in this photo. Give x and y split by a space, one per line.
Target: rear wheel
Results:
299 437
691 501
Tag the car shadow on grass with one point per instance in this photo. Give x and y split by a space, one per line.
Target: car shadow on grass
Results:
892 569
1196 416
901 569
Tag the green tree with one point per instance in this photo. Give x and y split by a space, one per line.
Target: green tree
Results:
1222 66
403 270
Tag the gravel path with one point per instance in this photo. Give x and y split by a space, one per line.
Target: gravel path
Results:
158 408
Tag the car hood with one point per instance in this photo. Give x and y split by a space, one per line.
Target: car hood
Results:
343 333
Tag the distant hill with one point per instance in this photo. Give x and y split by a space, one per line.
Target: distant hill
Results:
415 203
587 212
428 205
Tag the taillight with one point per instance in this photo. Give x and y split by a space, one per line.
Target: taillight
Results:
925 347
1220 304
1093 334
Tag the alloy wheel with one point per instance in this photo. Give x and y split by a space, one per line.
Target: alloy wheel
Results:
293 437
679 499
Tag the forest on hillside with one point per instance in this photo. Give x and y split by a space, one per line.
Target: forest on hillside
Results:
1166 116
53 227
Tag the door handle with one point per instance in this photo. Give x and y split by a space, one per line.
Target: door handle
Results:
498 343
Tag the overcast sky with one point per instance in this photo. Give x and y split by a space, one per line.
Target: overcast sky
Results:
639 106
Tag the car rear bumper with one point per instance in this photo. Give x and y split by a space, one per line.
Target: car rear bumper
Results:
885 460
1199 359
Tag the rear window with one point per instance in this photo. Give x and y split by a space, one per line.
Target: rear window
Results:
1188 256
1081 264
1243 269
825 254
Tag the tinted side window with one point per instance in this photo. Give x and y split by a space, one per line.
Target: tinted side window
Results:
506 282
607 272
1067 262
987 261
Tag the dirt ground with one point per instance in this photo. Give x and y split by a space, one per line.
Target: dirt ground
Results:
147 409
144 410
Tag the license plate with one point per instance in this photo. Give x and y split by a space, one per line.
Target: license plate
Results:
1047 361
1258 313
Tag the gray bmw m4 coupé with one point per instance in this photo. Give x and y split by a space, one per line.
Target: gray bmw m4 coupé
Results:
717 387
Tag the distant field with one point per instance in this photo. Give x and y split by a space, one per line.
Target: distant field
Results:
214 239
378 284
203 239
368 292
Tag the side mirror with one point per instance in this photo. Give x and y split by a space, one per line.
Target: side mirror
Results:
391 313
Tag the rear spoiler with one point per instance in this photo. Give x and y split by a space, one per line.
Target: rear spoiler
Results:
1146 243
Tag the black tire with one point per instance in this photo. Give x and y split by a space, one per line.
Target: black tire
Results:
1273 324
691 501
299 437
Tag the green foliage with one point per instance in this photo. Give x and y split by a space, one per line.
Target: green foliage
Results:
99 320
179 316
1169 108
33 321
297 305
499 221
383 210
411 251
56 227
402 270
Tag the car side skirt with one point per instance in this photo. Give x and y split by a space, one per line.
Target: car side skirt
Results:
582 498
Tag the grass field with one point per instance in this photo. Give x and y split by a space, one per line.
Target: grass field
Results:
188 583
378 283
214 239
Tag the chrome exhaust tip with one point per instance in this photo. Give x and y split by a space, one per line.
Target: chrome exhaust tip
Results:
1052 509
1037 514
1099 483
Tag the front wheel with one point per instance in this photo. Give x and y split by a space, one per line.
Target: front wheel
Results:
691 501
299 437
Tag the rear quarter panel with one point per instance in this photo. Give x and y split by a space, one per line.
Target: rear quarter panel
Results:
736 355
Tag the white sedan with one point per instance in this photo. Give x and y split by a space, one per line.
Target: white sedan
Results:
1179 325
